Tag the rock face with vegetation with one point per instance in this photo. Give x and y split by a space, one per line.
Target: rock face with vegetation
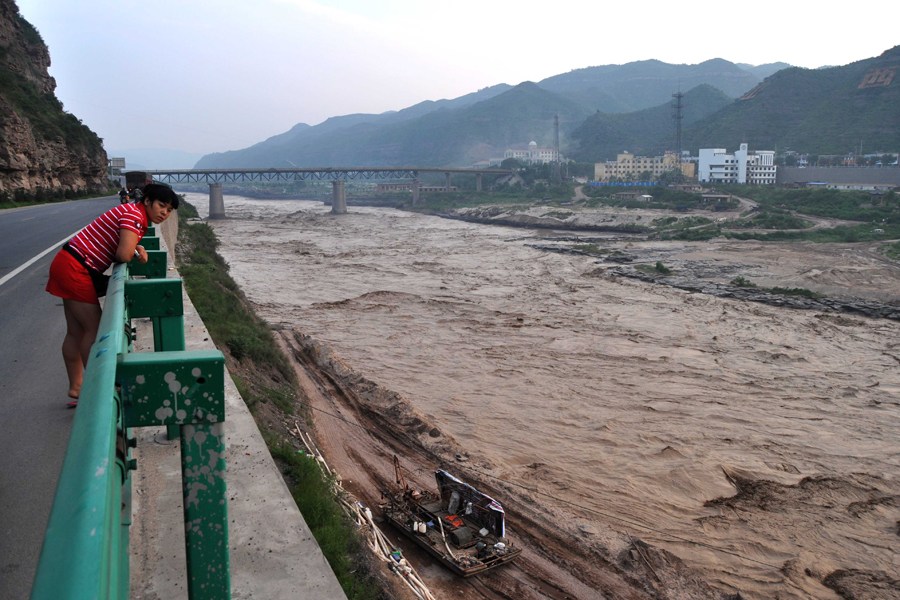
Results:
43 149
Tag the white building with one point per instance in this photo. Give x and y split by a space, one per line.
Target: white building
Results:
716 166
532 153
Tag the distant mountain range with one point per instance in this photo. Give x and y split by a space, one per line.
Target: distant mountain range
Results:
155 158
604 110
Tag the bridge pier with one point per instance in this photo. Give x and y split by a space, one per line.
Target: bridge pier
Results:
338 198
447 184
477 182
415 191
216 202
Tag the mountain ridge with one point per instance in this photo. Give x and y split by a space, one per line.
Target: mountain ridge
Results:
481 125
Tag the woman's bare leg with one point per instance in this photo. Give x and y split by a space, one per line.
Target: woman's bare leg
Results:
82 321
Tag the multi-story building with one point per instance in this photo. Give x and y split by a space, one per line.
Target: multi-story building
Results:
532 153
715 165
627 167
114 169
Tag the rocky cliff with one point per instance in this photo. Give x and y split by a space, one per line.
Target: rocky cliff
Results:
44 151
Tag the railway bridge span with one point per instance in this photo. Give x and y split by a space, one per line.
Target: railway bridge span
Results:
338 176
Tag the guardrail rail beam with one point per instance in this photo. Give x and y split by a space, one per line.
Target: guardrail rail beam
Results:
85 550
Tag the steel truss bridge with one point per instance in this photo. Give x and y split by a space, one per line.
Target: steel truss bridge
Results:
338 176
310 174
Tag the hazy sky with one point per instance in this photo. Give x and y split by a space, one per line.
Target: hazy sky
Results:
213 75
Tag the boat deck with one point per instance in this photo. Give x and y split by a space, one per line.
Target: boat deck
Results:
466 550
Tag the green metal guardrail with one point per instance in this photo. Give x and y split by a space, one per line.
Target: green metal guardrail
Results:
85 549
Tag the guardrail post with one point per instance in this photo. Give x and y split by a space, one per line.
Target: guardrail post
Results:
150 243
129 464
205 510
187 388
155 268
161 301
168 331
194 411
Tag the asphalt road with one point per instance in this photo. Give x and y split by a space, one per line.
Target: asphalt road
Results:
35 421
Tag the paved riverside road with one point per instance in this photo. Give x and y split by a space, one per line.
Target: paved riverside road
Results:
34 420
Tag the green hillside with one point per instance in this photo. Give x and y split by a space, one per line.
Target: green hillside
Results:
344 140
442 137
486 129
823 111
647 132
763 71
645 84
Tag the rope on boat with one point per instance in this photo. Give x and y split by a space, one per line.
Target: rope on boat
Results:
443 537
378 543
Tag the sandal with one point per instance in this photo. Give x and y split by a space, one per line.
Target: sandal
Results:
72 404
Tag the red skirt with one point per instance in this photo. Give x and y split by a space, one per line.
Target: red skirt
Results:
70 280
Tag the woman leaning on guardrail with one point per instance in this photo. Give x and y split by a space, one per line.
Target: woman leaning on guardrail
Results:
76 273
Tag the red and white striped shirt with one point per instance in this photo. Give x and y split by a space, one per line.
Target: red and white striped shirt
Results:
98 242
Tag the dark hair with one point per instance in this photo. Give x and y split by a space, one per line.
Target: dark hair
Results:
162 193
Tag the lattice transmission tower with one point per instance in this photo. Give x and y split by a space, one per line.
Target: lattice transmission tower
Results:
678 116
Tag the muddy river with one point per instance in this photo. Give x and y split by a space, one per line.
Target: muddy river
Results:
757 444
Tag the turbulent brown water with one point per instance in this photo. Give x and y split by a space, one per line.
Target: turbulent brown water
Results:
759 444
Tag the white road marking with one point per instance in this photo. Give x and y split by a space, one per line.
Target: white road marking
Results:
24 266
